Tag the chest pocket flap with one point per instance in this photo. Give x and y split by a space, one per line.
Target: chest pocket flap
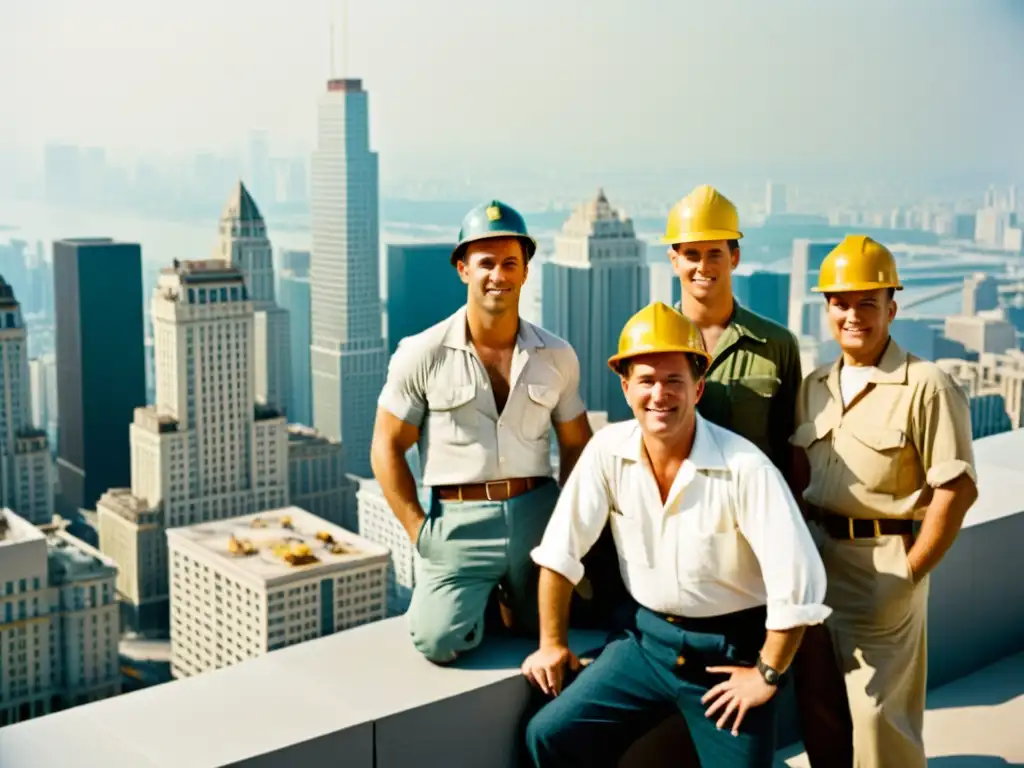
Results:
543 395
757 386
880 439
449 398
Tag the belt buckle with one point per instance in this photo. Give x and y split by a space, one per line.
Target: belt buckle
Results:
849 522
508 489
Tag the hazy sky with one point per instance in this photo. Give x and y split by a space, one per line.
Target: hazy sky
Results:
916 87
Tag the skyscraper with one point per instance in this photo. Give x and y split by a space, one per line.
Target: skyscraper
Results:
347 354
806 308
762 290
293 293
597 280
206 450
423 288
101 374
242 241
26 483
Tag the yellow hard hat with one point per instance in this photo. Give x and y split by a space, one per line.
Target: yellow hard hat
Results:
658 328
857 264
704 214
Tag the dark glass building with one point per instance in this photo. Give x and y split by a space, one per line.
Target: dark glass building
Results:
101 375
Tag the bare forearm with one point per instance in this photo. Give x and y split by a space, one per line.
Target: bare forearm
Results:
554 594
566 461
942 522
780 646
398 486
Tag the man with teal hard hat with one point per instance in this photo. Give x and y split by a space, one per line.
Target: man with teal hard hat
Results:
480 393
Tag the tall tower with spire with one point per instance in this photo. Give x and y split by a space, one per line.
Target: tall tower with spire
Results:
597 279
348 358
242 241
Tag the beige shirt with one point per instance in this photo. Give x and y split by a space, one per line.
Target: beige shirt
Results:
728 537
437 382
907 432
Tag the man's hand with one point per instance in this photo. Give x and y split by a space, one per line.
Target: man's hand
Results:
545 667
744 689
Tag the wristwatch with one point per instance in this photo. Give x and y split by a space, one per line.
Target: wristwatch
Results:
771 676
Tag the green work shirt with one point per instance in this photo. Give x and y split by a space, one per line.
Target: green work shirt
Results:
752 383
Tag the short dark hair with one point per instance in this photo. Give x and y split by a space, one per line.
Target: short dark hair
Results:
698 367
734 245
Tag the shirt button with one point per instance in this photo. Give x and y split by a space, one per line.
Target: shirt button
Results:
680 661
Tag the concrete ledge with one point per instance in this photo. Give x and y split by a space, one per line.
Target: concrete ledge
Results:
364 694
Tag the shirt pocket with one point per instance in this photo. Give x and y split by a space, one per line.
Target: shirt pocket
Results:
541 400
750 402
453 414
628 533
876 457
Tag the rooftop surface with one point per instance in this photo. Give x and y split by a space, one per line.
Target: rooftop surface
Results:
15 529
278 544
71 559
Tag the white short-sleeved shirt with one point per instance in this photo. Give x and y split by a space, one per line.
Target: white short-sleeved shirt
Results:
437 382
729 536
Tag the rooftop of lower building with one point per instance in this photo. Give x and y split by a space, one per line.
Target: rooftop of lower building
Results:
276 545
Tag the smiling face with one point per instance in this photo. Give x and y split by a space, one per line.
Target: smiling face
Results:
705 269
663 392
495 270
860 322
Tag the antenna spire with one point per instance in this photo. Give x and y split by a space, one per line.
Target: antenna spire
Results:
344 38
330 28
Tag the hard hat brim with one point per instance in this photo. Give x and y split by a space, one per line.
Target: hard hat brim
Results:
702 237
615 360
528 241
851 287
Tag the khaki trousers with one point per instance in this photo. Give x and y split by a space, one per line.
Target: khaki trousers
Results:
879 632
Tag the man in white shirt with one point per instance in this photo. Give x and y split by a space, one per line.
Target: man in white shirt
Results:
712 547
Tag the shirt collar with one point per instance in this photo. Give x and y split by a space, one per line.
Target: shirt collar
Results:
706 454
456 338
741 320
890 369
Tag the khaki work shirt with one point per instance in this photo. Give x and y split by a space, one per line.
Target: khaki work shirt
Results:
909 431
752 383
437 382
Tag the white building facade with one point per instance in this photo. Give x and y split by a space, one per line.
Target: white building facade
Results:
206 450
26 469
243 587
58 621
348 358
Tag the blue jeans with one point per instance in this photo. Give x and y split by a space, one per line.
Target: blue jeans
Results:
640 679
466 549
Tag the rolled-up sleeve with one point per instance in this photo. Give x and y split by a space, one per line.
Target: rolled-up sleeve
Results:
944 436
570 404
579 517
404 392
793 573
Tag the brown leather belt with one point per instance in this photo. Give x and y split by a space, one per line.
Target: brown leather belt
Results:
842 527
494 490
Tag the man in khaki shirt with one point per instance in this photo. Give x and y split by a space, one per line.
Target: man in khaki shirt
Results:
884 450
479 393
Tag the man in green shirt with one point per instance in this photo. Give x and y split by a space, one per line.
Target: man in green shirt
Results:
751 389
755 370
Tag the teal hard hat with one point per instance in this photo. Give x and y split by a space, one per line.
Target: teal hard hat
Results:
490 220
